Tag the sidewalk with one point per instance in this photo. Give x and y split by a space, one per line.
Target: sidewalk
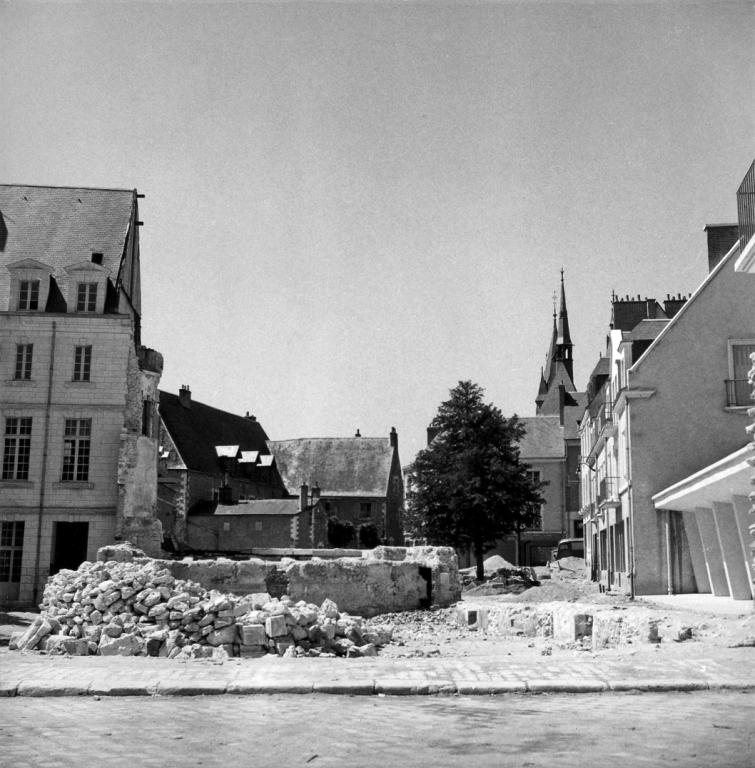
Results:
32 674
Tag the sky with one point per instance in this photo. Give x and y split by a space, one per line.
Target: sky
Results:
351 207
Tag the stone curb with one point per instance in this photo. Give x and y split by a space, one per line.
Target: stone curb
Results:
385 687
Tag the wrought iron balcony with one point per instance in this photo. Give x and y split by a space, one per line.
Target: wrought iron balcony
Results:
738 393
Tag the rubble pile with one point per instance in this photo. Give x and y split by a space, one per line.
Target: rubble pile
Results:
128 608
501 577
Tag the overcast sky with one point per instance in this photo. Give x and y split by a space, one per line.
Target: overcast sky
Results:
350 207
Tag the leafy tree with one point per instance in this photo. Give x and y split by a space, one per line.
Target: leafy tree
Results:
340 532
369 537
470 486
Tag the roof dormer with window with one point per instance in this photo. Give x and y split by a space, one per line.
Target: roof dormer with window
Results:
29 285
87 287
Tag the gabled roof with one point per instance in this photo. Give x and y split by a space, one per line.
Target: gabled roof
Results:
341 466
61 226
544 438
198 429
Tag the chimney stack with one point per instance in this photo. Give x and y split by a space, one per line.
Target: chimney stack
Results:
303 497
721 237
184 396
394 438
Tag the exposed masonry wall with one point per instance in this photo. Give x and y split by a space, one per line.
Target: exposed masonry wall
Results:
383 580
136 518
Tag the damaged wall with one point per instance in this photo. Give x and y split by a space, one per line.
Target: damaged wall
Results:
383 580
136 516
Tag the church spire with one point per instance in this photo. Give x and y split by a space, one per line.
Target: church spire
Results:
558 363
564 337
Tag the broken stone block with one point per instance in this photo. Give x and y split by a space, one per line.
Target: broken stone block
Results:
366 650
64 645
329 609
252 634
283 644
38 629
252 651
227 635
125 645
571 627
113 630
275 626
472 617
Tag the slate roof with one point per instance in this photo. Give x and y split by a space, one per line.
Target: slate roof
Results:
544 438
198 429
341 466
60 226
646 330
260 507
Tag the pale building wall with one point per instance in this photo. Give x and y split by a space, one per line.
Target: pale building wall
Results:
684 426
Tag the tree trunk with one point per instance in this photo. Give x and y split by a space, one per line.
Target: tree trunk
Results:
478 553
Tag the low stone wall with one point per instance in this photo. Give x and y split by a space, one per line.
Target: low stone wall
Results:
383 580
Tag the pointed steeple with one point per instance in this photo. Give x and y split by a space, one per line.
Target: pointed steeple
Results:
564 337
558 362
563 341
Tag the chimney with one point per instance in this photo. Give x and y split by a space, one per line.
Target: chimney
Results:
303 497
250 416
358 434
184 396
394 438
721 237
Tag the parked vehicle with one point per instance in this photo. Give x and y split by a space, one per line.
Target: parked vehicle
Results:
568 548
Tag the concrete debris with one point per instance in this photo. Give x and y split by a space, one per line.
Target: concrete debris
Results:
128 608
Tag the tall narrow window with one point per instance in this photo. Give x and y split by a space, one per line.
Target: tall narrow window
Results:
28 294
23 360
738 388
76 445
11 549
86 298
82 363
17 448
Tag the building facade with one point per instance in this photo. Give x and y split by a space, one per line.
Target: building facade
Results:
77 389
662 408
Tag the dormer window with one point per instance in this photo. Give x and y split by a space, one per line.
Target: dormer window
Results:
29 285
87 286
86 297
28 294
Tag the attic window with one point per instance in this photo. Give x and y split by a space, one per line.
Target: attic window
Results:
96 258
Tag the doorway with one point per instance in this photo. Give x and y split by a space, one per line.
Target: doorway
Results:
69 546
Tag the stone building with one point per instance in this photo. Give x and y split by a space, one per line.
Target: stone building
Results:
359 478
214 462
665 410
78 391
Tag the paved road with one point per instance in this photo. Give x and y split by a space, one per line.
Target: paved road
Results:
711 729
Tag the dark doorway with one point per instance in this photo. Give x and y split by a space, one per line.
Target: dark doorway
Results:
70 546
427 575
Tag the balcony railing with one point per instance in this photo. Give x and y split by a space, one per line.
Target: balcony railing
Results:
608 490
738 393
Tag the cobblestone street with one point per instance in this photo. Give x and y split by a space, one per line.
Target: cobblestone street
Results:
559 731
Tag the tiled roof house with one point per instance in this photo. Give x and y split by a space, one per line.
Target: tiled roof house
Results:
360 478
